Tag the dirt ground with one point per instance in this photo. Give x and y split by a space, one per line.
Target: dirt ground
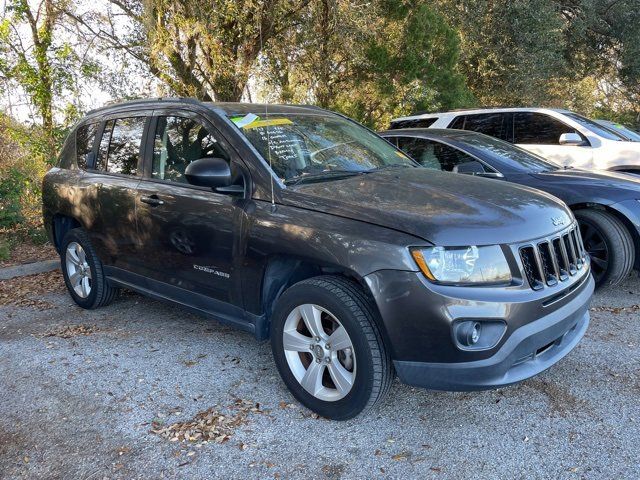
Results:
141 389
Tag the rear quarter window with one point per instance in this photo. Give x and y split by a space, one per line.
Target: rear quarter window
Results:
68 152
414 123
85 136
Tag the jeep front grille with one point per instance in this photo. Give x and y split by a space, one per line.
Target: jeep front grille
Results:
552 261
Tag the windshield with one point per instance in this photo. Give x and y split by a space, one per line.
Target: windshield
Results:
621 130
595 127
507 152
317 145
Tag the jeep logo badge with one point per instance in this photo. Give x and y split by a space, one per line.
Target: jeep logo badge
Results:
557 221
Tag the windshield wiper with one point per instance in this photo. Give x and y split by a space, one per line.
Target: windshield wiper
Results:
328 175
389 167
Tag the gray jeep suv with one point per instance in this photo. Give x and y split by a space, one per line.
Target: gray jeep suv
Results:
300 225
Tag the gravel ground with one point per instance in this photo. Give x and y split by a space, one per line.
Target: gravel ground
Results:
81 391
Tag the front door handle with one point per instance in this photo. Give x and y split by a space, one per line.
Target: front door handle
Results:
152 200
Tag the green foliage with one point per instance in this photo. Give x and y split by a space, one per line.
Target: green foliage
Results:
7 244
581 54
24 158
371 61
39 63
200 49
12 185
510 49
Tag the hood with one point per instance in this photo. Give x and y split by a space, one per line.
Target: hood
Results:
443 208
610 187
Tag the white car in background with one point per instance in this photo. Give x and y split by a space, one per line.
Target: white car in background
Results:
561 136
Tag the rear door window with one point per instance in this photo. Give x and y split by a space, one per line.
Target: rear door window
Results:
532 128
124 145
492 124
414 123
85 136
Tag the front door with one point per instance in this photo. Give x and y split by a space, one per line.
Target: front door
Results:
540 134
187 233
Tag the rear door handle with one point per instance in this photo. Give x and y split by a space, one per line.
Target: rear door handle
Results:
152 200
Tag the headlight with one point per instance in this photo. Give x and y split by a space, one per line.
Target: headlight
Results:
463 265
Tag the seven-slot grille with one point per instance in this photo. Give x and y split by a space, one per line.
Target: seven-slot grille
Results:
552 261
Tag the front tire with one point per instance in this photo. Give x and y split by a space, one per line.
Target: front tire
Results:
609 244
83 273
328 348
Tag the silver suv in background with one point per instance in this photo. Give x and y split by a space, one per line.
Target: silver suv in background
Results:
560 136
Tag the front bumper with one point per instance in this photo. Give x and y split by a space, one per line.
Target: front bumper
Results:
539 332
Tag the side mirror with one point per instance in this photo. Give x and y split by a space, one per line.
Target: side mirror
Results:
571 139
209 172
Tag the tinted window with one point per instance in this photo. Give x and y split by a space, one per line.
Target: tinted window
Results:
415 123
538 129
124 147
493 124
178 142
103 149
438 156
457 123
85 136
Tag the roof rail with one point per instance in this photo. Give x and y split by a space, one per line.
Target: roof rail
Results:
469 109
137 101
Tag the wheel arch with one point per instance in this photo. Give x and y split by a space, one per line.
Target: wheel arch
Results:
628 224
60 225
283 271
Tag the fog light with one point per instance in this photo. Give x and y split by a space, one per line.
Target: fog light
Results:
468 333
478 334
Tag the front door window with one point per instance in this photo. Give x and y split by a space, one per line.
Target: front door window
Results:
178 142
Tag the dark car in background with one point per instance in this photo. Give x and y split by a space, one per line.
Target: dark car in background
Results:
300 225
606 204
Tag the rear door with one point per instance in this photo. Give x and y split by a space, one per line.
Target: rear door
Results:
188 233
108 188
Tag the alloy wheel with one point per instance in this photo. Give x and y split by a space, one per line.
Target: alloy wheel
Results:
597 249
78 270
319 352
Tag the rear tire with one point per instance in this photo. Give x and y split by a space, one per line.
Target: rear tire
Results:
83 273
339 380
609 244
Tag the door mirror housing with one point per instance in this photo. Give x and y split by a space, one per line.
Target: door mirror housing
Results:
571 139
209 172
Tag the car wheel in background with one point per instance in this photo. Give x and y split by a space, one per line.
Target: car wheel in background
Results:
328 348
82 271
609 244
